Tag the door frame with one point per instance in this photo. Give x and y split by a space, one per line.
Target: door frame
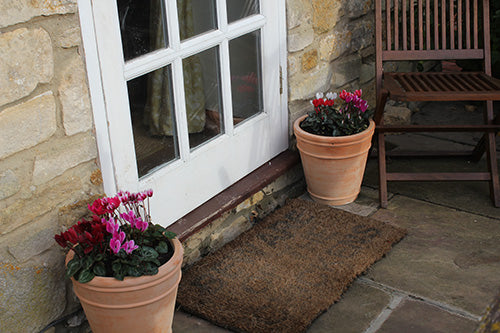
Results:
95 81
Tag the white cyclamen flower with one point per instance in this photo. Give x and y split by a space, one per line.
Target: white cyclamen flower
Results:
319 95
331 95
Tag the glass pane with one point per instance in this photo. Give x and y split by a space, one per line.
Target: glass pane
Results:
142 26
153 119
196 17
238 9
203 96
246 76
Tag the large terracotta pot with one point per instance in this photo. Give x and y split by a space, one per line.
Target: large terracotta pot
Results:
333 166
136 304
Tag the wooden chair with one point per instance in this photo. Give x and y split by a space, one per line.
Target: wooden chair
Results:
436 30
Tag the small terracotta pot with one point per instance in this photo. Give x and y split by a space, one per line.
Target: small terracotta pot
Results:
136 304
333 166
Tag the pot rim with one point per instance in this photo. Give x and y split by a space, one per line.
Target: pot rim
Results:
130 281
337 139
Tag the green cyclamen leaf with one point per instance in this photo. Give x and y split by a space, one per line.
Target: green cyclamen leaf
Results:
162 247
85 276
99 269
149 252
87 261
73 266
116 266
170 234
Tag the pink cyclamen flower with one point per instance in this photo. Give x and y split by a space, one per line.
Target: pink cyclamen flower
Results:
115 245
111 226
129 246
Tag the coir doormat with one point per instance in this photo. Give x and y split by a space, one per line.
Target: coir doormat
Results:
284 272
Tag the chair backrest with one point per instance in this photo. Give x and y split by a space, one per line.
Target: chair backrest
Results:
431 30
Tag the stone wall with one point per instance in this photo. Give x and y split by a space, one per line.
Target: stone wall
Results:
48 166
330 47
48 153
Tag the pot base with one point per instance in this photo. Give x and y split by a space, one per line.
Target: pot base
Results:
331 201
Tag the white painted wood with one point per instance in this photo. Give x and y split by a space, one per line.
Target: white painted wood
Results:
200 173
97 95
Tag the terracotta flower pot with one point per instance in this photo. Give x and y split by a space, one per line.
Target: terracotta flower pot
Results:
136 304
333 166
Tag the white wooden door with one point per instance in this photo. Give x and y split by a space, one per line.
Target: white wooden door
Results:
187 94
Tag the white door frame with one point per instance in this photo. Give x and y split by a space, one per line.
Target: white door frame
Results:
96 68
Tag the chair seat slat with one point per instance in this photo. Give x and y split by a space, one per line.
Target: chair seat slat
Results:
442 86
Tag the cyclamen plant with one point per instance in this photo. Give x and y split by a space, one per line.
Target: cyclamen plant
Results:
120 240
351 116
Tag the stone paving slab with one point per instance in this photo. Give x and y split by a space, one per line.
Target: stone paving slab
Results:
186 323
418 317
470 196
448 256
359 305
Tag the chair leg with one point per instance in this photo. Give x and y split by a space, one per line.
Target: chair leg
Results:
481 145
491 156
382 170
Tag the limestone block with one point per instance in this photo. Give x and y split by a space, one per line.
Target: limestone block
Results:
346 70
74 95
298 12
34 292
357 8
292 176
397 115
18 11
293 66
23 212
54 164
9 184
26 59
367 72
309 60
362 32
69 37
27 124
300 38
325 14
306 86
33 239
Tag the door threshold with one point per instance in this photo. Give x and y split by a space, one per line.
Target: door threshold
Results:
234 195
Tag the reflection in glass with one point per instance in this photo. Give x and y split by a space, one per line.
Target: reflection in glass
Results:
196 17
203 96
246 76
153 120
238 9
142 26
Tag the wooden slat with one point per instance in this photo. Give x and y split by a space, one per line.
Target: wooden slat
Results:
437 128
459 23
436 25
433 54
388 23
420 25
465 83
467 24
447 96
443 24
428 24
476 39
431 84
445 82
404 28
483 85
438 176
412 25
396 24
391 84
452 26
